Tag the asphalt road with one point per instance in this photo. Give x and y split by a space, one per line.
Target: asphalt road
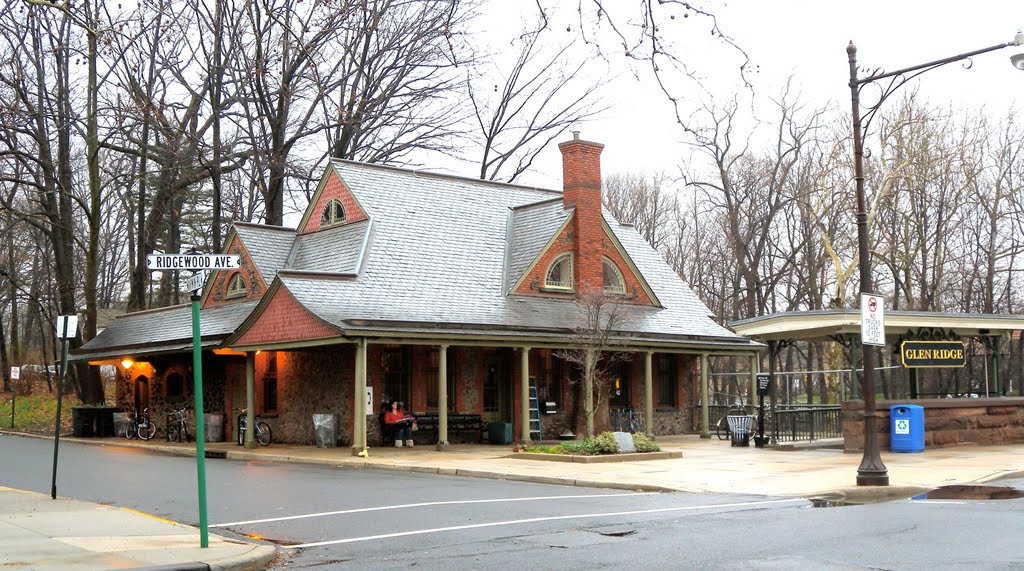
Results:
334 518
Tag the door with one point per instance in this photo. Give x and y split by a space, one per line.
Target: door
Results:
498 387
141 392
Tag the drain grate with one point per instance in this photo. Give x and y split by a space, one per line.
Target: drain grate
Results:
215 453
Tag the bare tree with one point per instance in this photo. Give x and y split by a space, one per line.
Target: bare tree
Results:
643 200
595 351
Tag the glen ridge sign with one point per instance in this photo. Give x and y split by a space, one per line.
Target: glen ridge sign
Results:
933 354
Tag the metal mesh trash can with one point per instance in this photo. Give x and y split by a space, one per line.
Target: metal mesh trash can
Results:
213 427
325 428
739 426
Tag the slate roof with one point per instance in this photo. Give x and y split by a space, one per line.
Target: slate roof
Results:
336 250
268 246
532 227
167 329
440 246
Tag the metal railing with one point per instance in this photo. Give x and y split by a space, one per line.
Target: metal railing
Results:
799 423
790 423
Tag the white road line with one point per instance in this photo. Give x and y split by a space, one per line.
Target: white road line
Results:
426 504
538 519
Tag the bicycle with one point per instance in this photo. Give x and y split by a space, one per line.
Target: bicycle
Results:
262 435
140 426
625 420
177 427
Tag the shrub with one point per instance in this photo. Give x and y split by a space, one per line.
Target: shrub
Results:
644 443
606 443
545 449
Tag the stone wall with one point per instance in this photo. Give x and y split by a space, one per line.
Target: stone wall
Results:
947 422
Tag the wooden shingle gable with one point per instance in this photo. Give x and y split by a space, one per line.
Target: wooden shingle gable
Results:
215 291
280 319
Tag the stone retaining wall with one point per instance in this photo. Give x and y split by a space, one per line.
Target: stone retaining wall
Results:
947 422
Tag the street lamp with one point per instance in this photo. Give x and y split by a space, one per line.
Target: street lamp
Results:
872 471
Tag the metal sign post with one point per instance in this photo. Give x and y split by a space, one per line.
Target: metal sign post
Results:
67 325
763 386
196 287
15 373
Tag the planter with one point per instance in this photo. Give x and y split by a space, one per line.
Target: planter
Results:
600 458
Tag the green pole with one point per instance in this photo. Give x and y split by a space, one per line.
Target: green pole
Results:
197 375
60 399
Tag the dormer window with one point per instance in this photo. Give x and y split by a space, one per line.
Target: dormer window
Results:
334 213
614 284
559 275
236 286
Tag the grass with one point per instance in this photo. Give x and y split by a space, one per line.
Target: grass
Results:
36 414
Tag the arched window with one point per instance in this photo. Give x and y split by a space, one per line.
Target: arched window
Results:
334 213
236 285
613 282
559 274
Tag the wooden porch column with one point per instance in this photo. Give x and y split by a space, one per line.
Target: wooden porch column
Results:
524 394
649 392
359 399
442 397
250 399
705 423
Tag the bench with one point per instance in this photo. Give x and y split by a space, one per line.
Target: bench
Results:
457 423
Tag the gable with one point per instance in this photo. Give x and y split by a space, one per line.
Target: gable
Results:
282 320
331 187
532 281
216 290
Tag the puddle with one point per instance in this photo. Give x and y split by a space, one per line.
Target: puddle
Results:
961 492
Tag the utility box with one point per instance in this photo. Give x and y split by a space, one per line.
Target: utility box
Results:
906 428
499 433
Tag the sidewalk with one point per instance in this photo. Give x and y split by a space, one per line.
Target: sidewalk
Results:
42 534
38 533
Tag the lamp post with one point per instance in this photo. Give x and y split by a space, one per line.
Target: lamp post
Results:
872 472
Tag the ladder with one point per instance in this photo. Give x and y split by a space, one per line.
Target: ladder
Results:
534 411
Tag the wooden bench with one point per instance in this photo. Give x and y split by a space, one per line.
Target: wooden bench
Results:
457 423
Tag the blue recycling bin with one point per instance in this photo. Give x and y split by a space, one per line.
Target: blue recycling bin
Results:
906 428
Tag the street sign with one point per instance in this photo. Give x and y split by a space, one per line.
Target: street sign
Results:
933 354
167 262
72 326
872 319
763 381
195 283
15 373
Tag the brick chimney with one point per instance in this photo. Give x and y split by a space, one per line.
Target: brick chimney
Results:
581 189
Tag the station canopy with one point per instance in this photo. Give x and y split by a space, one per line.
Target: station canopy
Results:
829 324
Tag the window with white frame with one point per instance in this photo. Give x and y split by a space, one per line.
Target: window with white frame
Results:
614 284
236 285
559 275
334 213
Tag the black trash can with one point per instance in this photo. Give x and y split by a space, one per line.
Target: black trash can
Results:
739 426
105 421
82 420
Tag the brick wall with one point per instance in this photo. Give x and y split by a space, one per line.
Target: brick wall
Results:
947 422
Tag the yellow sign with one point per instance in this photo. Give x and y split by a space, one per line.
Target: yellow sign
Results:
933 354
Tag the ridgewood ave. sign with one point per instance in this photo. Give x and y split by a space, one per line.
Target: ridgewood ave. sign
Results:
192 261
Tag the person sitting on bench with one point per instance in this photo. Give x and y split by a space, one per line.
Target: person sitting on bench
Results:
400 423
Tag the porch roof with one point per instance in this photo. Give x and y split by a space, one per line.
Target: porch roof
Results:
165 330
822 325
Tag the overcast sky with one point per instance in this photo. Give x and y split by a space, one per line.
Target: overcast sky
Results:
807 40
